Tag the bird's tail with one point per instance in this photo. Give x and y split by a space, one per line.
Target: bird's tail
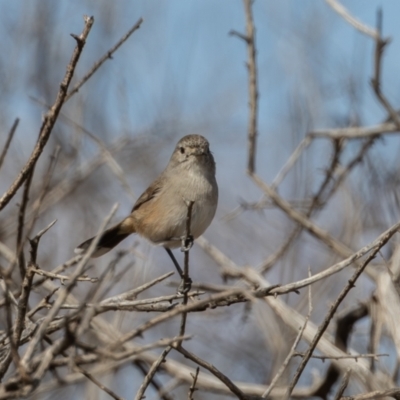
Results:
109 239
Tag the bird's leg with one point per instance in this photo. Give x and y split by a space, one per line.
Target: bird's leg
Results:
177 266
185 284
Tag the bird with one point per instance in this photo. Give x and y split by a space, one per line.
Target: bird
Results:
160 213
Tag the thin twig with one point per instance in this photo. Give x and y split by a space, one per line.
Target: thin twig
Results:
66 186
291 162
43 190
21 223
380 45
350 356
42 304
316 202
292 350
98 383
249 39
8 141
223 378
60 268
193 388
341 10
302 219
343 385
22 211
373 246
98 354
105 57
133 293
63 278
356 132
253 91
162 391
151 373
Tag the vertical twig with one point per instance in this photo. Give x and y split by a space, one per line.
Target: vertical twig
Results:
193 388
186 278
21 223
249 38
253 92
380 45
22 211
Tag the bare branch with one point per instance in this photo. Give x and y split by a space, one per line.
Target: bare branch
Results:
253 91
249 39
343 385
223 378
356 132
98 383
50 117
341 10
380 45
192 388
151 373
105 57
8 141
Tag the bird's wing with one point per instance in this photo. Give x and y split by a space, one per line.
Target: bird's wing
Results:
149 194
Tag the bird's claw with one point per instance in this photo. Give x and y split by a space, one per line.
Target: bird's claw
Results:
186 243
185 286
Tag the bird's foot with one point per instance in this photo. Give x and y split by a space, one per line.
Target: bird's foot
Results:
185 286
186 243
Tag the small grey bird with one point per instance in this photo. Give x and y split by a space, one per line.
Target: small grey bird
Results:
159 215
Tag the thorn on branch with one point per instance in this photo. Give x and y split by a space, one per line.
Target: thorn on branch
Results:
239 35
78 39
193 388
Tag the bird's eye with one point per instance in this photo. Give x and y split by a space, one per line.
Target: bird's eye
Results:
182 150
